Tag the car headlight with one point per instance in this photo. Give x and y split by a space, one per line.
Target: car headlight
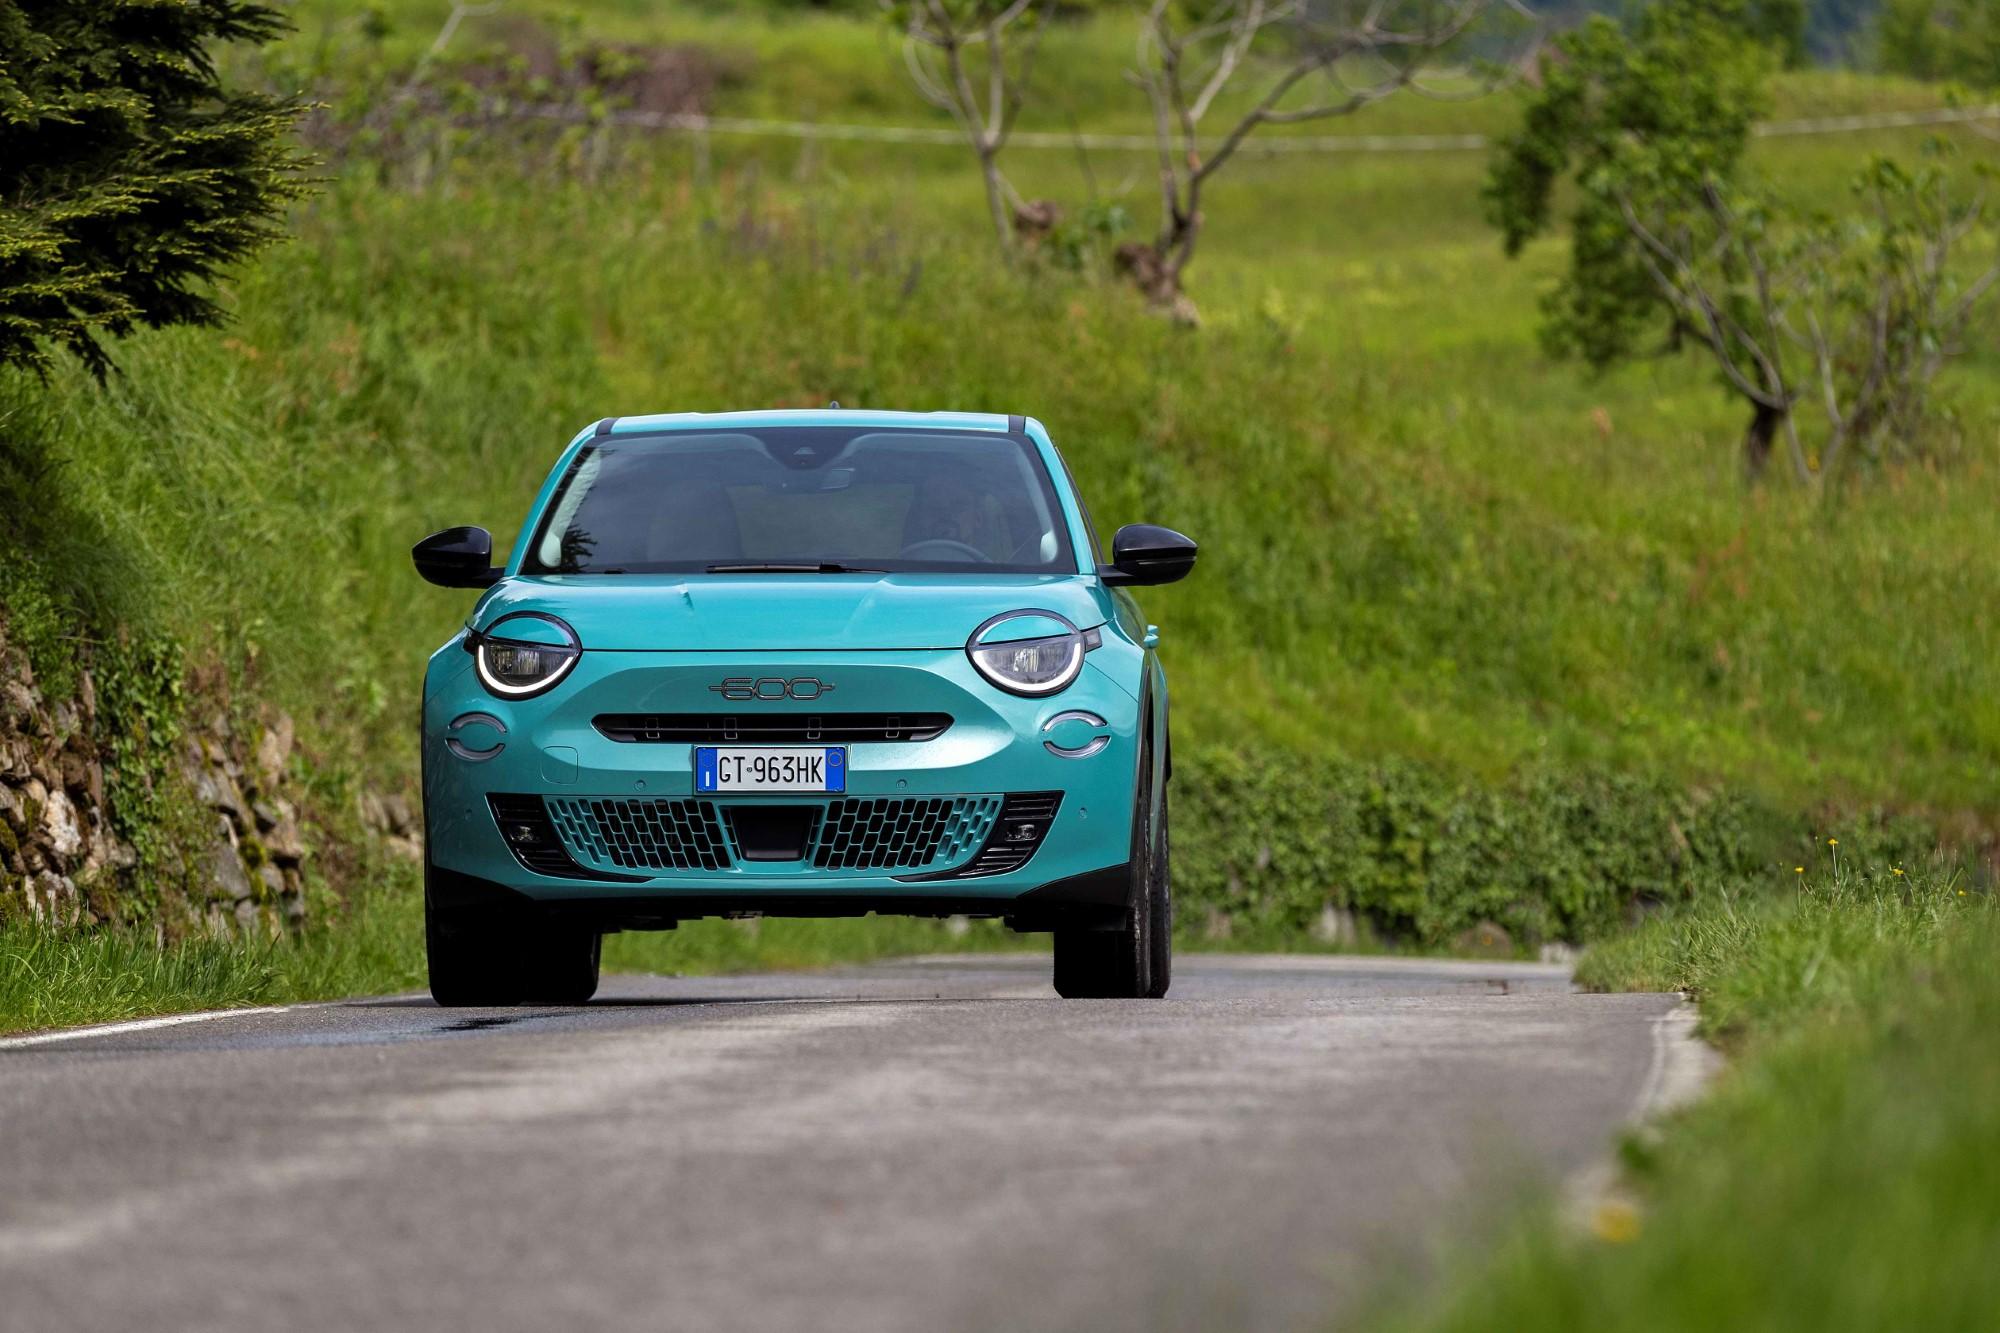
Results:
1036 665
523 654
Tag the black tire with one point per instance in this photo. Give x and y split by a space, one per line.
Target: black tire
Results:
1116 963
482 959
1160 901
1102 964
562 965
473 957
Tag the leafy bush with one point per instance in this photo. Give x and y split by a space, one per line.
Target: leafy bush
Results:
1273 839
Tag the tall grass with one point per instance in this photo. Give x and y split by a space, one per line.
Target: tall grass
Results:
1842 1175
60 978
1420 538
54 978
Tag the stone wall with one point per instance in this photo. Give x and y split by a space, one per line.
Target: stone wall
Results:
233 862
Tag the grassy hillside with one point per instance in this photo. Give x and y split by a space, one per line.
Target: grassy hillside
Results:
1470 588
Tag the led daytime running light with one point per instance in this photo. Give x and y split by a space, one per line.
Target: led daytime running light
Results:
1019 666
502 662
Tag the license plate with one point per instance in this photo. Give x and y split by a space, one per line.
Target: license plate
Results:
722 768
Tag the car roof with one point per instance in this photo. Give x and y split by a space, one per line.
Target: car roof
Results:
818 416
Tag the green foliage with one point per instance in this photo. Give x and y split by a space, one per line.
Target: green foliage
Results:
1645 119
1897 287
140 715
1780 25
129 175
1081 243
1760 961
373 945
1957 40
1429 550
1841 1176
1271 840
1853 314
41 625
58 978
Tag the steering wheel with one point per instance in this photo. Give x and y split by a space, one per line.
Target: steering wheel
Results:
917 550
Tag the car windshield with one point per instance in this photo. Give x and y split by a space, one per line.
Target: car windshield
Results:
805 498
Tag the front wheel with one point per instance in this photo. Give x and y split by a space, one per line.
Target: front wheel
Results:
562 965
483 958
1160 902
1133 959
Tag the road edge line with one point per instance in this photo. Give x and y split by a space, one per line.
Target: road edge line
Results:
138 1025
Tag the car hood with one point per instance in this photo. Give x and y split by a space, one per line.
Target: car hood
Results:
772 612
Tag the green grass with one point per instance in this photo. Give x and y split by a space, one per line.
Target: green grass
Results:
1424 543
1841 1176
1419 534
61 978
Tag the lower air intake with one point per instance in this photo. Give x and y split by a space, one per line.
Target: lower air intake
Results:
902 833
656 835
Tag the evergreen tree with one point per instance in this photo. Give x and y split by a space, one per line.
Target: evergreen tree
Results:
130 176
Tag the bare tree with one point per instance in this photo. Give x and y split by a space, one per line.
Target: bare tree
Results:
1735 287
973 58
1306 59
1856 315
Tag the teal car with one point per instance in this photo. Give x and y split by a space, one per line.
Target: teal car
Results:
793 663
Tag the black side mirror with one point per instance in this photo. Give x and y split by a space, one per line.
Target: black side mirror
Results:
1144 554
457 558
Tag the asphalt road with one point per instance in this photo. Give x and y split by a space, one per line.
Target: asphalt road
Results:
935 1144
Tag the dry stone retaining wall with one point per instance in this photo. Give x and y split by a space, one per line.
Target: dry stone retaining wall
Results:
239 862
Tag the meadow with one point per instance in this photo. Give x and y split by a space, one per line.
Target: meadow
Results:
1477 636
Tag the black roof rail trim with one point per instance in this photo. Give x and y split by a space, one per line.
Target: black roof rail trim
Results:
604 426
1016 423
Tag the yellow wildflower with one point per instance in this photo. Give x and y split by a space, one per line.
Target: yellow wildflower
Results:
1800 869
1833 842
1615 1222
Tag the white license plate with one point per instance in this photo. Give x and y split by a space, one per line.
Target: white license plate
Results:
723 768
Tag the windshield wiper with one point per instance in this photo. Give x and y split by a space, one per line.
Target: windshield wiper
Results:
793 567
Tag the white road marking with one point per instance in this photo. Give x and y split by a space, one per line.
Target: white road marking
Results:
1681 1067
138 1025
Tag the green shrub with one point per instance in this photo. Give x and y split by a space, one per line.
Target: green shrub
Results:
1272 839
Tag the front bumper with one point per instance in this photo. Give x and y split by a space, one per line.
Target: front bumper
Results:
547 752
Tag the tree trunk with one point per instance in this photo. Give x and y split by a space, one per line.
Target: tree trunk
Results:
996 201
1757 440
1156 269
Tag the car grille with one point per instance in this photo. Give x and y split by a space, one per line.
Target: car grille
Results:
901 834
640 834
770 728
895 834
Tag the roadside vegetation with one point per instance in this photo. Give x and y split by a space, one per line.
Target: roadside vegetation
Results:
374 946
1840 1175
1481 637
